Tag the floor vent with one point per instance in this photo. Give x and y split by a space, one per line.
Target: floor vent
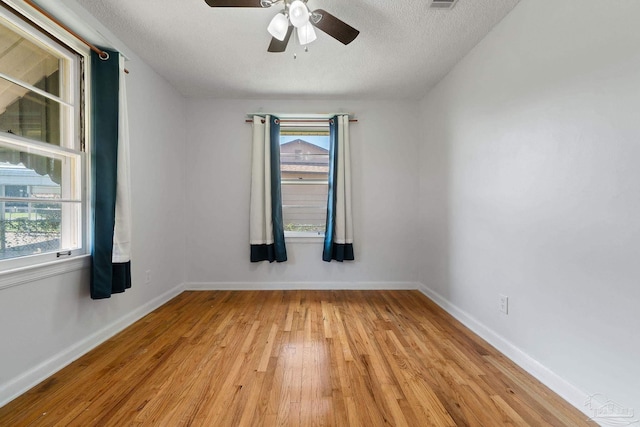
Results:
442 4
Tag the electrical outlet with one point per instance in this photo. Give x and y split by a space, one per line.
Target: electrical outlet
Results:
147 276
503 304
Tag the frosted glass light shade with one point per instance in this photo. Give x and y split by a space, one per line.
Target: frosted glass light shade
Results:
278 26
306 34
298 13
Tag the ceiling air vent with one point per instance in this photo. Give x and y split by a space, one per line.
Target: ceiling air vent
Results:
442 4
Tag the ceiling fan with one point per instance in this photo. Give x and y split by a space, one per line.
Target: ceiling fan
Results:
295 14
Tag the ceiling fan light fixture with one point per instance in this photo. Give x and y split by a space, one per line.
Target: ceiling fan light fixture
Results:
298 13
306 34
278 26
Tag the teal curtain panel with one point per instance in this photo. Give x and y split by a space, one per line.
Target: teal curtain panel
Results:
107 277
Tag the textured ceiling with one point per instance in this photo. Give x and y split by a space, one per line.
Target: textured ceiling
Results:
404 48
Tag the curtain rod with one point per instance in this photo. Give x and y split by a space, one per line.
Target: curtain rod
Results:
303 120
101 53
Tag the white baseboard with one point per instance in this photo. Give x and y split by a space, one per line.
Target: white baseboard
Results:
19 385
566 390
280 286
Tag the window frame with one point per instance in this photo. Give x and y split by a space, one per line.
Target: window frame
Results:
76 143
304 127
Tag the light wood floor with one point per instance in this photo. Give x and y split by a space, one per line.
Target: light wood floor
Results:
333 358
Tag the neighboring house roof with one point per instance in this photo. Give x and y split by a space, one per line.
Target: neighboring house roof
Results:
298 144
299 156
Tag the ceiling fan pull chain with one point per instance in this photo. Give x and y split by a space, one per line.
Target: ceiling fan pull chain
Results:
295 36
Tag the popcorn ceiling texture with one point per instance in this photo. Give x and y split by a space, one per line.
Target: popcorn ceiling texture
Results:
404 47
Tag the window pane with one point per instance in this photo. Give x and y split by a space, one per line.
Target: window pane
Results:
29 228
30 175
303 160
42 189
311 219
304 195
28 114
40 205
304 166
27 62
304 207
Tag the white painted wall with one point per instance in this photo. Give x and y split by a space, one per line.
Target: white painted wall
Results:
527 186
530 187
385 190
46 323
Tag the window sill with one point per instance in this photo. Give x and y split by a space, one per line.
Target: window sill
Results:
302 237
32 273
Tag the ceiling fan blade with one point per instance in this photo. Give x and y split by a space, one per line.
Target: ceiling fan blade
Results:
280 46
331 25
234 3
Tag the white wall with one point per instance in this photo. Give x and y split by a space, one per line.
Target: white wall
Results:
530 187
385 190
46 323
527 186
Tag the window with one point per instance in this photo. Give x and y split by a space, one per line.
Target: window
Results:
304 168
42 164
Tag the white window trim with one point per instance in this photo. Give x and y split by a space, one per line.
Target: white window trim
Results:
31 273
15 271
302 237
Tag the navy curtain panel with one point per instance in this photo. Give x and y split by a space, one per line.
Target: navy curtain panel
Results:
266 227
107 277
338 238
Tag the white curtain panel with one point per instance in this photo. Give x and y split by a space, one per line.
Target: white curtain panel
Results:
122 227
338 240
261 222
344 217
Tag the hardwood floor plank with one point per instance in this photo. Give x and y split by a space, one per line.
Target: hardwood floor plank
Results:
293 358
